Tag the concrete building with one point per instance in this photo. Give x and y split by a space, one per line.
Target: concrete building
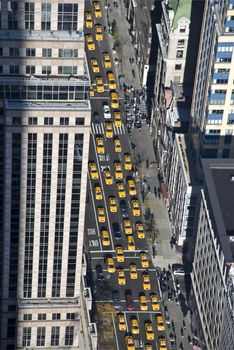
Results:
212 299
212 109
183 189
45 127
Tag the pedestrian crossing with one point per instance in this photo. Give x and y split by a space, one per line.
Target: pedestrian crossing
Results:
99 129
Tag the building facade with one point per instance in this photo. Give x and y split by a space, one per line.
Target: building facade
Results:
212 109
183 190
45 126
212 299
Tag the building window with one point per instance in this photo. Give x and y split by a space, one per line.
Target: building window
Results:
1 51
41 317
67 16
181 42
178 66
46 69
12 15
179 53
225 153
46 52
30 69
48 121
16 121
45 16
29 15
1 69
68 53
27 317
182 29
40 336
30 52
11 327
80 121
69 333
26 341
14 69
56 316
67 70
14 52
64 121
54 336
71 316
32 121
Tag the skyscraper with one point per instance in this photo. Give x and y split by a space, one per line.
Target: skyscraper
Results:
44 144
213 96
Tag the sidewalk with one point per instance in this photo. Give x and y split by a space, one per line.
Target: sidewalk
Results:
124 67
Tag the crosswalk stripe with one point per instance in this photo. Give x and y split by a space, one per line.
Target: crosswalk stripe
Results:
99 129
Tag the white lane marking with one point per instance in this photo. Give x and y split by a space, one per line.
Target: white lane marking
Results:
94 208
125 251
116 337
104 196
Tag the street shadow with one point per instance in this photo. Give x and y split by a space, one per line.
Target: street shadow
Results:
183 304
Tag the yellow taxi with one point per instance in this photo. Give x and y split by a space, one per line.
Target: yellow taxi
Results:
135 326
133 271
89 41
100 145
129 342
149 332
131 243
143 303
121 190
91 91
101 214
132 188
118 171
114 99
98 32
108 130
88 20
93 171
121 277
105 238
127 226
148 347
107 177
106 60
154 302
144 259
140 230
117 118
122 322
97 9
119 254
110 265
160 323
99 84
135 207
113 204
95 65
146 281
117 145
162 343
127 162
111 80
98 192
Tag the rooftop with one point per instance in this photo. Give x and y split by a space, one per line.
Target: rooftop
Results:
41 35
181 8
219 180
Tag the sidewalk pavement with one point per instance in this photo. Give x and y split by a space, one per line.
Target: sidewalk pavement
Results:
124 67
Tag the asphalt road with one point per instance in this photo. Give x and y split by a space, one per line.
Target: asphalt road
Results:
97 253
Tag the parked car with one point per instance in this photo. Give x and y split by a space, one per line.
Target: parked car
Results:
116 299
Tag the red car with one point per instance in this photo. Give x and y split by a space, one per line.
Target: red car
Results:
129 301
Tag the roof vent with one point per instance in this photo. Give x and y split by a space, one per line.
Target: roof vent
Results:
232 178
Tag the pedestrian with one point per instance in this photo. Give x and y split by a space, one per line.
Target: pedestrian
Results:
171 244
184 325
149 188
182 332
155 191
169 267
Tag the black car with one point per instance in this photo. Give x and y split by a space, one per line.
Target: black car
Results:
99 272
116 230
123 208
116 299
97 119
129 300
